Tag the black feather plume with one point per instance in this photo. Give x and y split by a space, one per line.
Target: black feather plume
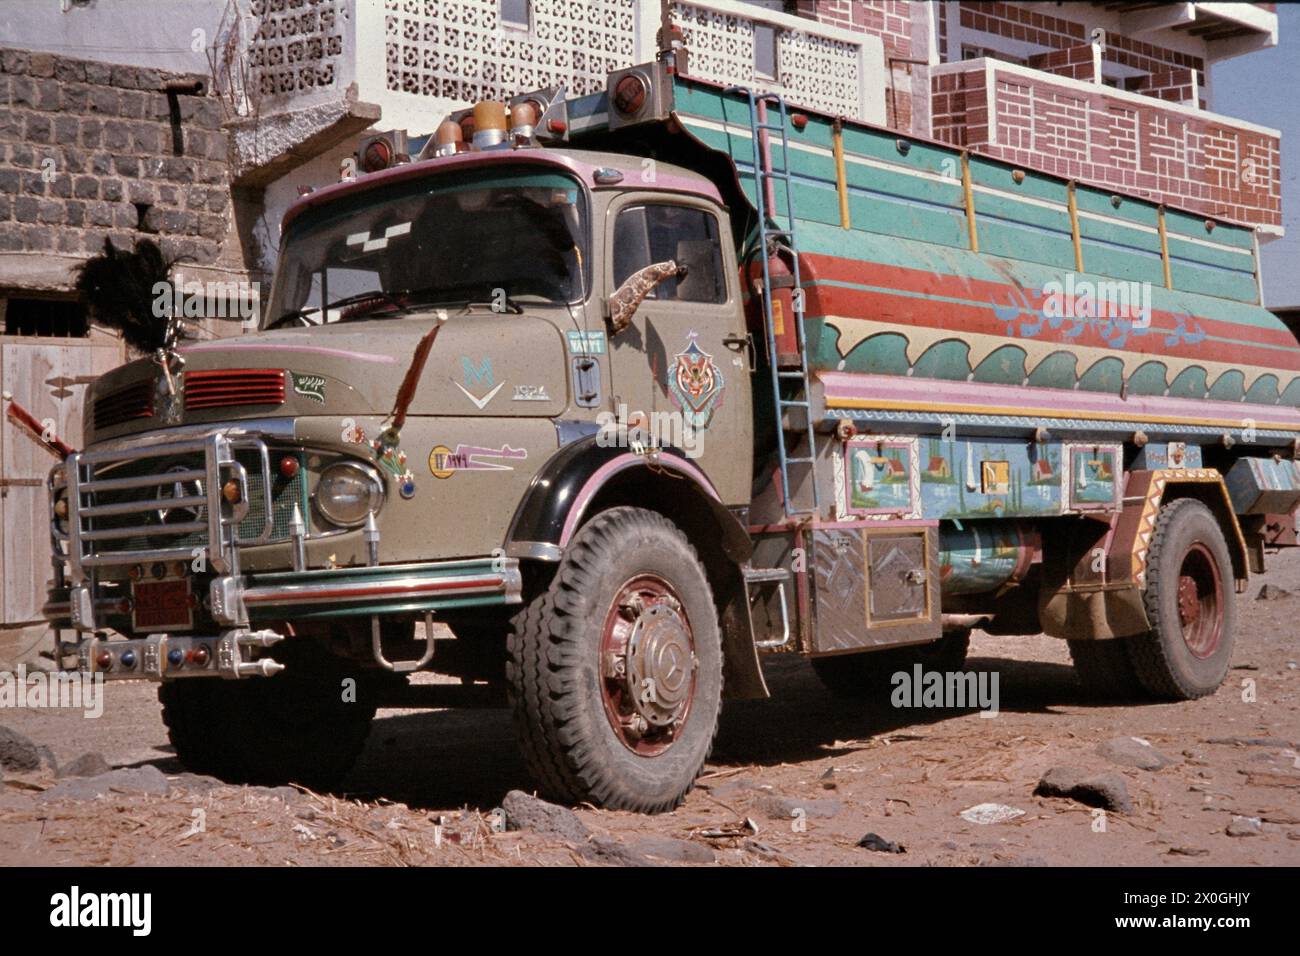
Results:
118 289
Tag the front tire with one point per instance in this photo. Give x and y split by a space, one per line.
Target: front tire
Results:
295 727
1190 603
615 669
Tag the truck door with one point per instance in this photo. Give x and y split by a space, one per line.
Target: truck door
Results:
683 360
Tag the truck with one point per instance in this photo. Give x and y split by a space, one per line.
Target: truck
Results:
593 404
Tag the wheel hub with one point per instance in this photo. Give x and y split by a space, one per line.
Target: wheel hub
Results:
649 666
1200 601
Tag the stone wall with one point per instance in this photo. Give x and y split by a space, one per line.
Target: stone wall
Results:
91 150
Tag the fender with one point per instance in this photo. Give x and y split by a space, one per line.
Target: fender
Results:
1083 597
561 493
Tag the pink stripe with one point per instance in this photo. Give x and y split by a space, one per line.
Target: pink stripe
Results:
1014 398
622 462
311 349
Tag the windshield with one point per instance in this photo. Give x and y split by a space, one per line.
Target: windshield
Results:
490 236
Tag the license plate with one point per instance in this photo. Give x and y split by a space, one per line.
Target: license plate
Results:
162 605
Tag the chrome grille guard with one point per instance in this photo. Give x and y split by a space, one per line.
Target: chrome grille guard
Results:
218 522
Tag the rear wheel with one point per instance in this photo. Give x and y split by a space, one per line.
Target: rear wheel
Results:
1190 602
615 669
1104 668
857 676
305 725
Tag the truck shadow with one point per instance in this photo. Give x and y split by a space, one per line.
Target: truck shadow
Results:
454 758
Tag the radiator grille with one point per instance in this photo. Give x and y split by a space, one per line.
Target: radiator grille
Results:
218 388
124 405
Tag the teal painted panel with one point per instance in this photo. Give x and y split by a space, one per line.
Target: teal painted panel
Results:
986 172
1150 378
1264 391
1199 253
1190 383
1055 371
1105 375
1179 223
1004 366
1229 387
1220 283
944 360
1091 199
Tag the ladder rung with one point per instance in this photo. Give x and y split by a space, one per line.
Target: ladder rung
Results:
786 373
766 575
793 402
799 461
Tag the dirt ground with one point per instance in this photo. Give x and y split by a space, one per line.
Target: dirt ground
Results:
799 779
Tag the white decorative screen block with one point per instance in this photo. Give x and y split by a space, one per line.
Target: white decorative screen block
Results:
297 44
815 71
460 50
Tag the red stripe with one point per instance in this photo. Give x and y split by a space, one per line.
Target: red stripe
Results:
964 319
922 282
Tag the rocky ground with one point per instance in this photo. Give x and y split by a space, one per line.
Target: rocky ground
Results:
800 779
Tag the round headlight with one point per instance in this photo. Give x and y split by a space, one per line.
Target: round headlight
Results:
348 491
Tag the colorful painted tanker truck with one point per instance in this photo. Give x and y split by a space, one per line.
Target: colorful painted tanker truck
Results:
633 389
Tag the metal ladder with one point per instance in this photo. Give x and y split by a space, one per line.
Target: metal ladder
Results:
770 239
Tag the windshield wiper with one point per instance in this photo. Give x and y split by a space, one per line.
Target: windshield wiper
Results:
287 316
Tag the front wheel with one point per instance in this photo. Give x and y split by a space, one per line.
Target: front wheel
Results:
615 669
1189 602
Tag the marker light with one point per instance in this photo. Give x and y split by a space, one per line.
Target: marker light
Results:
450 138
377 155
289 464
230 491
523 120
489 124
629 94
103 660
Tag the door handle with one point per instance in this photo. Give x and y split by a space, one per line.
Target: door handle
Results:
738 342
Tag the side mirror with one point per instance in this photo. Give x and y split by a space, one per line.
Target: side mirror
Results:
624 302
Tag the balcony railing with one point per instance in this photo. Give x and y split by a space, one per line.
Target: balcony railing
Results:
1170 152
418 59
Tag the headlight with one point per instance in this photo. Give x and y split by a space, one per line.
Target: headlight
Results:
348 491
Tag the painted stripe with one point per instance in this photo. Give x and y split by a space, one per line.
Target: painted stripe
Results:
865 391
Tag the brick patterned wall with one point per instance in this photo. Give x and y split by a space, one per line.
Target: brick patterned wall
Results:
1076 62
891 20
1015 22
82 143
1196 162
1177 85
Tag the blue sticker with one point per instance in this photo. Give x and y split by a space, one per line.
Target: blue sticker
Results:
586 343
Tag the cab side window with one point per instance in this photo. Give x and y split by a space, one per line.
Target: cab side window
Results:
644 235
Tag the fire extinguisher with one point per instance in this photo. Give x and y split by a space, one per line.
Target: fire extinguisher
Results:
785 326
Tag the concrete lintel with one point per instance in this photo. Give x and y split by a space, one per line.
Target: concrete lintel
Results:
267 147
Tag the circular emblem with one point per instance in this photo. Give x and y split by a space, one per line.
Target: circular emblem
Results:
440 462
176 491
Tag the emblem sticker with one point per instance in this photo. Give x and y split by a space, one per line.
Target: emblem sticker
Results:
478 377
311 386
369 243
695 383
444 462
586 343
531 393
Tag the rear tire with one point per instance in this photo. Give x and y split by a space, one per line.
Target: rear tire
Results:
629 604
1104 668
294 727
1190 602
